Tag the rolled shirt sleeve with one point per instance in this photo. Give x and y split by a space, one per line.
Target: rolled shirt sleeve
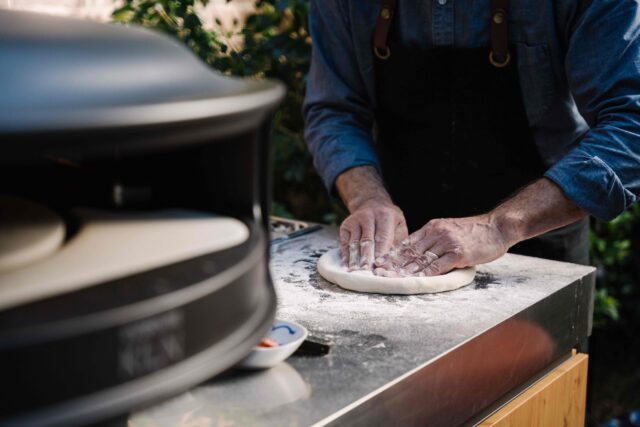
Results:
338 113
602 174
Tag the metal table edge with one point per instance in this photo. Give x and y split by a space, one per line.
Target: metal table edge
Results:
554 331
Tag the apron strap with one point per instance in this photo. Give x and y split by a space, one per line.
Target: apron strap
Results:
499 55
381 35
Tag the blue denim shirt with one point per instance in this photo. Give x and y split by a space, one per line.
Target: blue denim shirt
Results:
579 70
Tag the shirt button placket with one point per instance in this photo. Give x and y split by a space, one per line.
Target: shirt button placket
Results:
442 22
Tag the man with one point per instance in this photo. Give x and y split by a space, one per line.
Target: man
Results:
480 124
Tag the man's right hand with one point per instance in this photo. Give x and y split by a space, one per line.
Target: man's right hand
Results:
375 224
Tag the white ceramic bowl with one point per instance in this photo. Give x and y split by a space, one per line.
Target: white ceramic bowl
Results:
289 336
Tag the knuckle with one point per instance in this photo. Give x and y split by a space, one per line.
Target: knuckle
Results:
357 218
457 251
367 215
433 225
382 235
450 241
348 223
368 225
441 226
364 220
366 244
382 215
388 211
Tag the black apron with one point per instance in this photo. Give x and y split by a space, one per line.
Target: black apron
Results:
453 137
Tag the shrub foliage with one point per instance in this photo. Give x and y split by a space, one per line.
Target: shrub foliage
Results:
273 43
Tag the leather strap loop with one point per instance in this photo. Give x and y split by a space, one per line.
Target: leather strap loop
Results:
499 55
381 35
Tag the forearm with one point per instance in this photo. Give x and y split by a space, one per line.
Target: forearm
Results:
444 244
359 185
602 173
536 209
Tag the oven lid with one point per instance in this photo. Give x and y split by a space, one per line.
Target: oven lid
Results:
108 246
63 74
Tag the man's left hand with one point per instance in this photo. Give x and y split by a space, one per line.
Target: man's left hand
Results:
445 244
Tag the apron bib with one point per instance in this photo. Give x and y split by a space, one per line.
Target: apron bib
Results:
452 132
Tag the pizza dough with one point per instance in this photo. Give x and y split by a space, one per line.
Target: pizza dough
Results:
330 267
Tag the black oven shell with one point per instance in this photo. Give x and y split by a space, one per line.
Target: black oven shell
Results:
86 108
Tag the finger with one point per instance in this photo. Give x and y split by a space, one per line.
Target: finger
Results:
394 258
401 232
442 265
414 237
380 271
428 241
354 248
421 262
413 268
385 231
345 236
399 256
409 254
386 273
367 246
437 249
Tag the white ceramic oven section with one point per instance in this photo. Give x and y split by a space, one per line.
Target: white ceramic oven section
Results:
109 246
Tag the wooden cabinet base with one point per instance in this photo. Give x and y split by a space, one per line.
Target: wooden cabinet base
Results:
558 399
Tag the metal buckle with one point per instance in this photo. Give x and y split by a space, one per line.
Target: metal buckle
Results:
498 64
384 55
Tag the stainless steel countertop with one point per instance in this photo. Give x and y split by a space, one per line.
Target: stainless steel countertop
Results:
436 359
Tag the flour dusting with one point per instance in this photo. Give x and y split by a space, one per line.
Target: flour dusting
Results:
324 308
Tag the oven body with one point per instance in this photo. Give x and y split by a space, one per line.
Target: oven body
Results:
75 133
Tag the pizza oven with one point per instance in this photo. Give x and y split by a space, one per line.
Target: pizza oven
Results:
134 196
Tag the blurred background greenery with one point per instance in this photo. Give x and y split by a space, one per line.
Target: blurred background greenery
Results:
274 42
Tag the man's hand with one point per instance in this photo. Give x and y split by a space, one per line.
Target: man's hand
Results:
445 244
375 224
369 232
